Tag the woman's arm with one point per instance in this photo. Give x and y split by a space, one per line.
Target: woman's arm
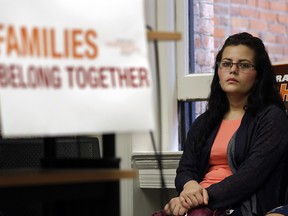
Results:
281 210
188 168
274 214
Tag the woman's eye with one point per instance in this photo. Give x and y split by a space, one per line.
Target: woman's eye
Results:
244 65
226 64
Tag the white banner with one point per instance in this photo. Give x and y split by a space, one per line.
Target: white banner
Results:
74 67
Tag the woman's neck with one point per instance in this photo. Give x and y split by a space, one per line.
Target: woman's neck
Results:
236 107
236 111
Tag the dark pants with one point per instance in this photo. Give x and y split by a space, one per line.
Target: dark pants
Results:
237 212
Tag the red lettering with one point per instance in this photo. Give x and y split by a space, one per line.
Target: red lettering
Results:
143 77
107 77
70 76
14 76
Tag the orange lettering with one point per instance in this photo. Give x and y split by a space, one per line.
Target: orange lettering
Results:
30 45
1 37
12 43
45 43
76 43
54 53
284 91
94 49
66 42
48 42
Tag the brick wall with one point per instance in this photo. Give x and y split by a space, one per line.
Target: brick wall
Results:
267 19
203 35
215 20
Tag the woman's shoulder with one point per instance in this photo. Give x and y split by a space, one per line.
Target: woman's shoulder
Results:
200 119
273 110
272 114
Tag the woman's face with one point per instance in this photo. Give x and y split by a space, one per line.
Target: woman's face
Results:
237 80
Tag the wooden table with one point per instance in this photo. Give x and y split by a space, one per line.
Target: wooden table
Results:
67 192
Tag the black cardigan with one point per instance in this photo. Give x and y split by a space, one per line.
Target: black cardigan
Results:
261 147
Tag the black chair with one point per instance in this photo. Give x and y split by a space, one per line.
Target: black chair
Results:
28 152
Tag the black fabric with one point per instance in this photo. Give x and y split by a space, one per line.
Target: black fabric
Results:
261 146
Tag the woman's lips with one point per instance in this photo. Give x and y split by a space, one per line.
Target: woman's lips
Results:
232 80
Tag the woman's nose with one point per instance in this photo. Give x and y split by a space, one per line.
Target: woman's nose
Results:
234 69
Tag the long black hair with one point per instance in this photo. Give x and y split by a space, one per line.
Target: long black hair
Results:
264 92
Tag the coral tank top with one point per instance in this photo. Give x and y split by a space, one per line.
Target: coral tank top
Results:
218 163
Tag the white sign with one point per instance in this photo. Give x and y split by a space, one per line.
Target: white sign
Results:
74 67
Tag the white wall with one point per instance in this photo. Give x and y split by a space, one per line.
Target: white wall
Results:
160 15
134 200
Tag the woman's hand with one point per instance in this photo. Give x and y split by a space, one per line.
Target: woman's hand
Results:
174 207
193 195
